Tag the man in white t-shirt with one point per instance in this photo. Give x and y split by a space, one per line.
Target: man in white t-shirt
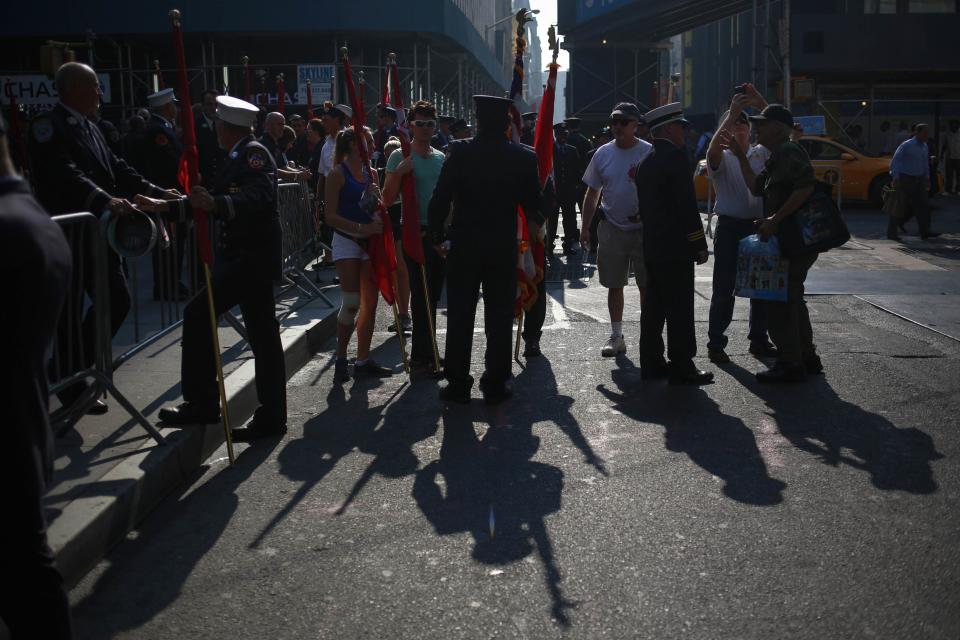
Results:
737 210
609 179
333 118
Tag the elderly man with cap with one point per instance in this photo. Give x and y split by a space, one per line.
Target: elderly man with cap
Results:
36 264
529 126
609 180
73 169
244 200
460 130
444 133
673 240
486 178
785 183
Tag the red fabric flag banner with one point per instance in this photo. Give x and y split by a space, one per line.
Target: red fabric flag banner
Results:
412 239
543 135
189 171
380 248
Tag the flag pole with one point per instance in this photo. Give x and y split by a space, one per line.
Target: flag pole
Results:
516 348
189 173
433 329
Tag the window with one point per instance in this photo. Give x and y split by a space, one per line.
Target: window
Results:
932 6
819 150
880 6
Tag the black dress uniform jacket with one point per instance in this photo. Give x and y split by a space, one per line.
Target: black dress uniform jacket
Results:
36 263
567 170
672 228
73 169
245 193
158 157
212 156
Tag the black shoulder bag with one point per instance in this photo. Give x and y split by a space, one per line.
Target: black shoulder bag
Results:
815 227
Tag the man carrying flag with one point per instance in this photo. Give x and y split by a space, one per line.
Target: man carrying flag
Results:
243 198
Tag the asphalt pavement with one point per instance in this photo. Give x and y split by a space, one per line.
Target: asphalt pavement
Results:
592 505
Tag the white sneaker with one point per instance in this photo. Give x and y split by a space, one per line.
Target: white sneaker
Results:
614 346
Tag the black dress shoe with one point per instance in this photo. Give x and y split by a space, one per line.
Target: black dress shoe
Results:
718 356
258 429
455 393
496 393
98 408
763 349
532 349
370 369
188 413
690 376
813 364
654 371
930 235
783 374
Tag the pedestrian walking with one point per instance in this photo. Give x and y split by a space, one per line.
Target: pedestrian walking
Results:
737 211
673 239
610 182
910 173
243 199
485 178
36 264
567 178
425 163
951 156
785 184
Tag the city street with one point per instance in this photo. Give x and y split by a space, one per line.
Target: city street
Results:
593 504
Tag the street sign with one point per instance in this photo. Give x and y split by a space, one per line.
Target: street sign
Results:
321 83
39 89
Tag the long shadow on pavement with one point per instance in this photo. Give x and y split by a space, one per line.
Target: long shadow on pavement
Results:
694 424
495 492
147 574
815 419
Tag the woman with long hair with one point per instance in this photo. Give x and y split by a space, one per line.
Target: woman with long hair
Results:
351 194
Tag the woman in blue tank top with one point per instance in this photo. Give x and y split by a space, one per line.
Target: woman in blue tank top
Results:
344 191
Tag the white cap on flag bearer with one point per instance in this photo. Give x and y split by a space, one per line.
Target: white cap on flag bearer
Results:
660 116
236 111
160 98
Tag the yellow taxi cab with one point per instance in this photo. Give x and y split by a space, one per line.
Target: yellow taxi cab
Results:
860 176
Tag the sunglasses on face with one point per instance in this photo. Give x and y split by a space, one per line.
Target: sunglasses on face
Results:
621 122
424 123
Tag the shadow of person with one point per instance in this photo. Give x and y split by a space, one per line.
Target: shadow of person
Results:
497 494
694 424
146 574
814 418
344 425
539 399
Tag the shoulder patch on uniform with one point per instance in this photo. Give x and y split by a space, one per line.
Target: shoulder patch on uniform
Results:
255 159
42 129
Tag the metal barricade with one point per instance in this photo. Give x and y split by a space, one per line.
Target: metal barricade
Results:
299 237
81 367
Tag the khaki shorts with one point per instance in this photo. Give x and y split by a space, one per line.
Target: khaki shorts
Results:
618 252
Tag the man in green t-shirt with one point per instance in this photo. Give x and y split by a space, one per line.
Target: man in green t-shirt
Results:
425 163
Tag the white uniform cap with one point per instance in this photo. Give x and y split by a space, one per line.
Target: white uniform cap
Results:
660 116
236 111
160 98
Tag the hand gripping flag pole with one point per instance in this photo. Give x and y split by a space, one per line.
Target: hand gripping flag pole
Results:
412 239
188 175
380 248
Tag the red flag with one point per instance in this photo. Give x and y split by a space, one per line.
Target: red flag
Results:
543 136
385 90
380 248
412 239
309 101
189 170
281 93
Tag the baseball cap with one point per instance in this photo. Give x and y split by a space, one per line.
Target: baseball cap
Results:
776 113
626 110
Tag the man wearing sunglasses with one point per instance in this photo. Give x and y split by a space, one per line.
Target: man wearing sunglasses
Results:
673 240
609 180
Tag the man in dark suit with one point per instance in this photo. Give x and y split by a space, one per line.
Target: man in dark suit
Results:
673 240
485 178
35 261
528 122
444 134
73 169
568 174
386 128
244 199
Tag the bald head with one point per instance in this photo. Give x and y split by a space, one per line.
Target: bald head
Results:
274 123
79 88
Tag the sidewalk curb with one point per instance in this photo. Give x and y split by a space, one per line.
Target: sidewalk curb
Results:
85 531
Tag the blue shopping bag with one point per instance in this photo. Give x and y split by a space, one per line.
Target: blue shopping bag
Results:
761 270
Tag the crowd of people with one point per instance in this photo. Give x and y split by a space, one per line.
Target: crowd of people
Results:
633 188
